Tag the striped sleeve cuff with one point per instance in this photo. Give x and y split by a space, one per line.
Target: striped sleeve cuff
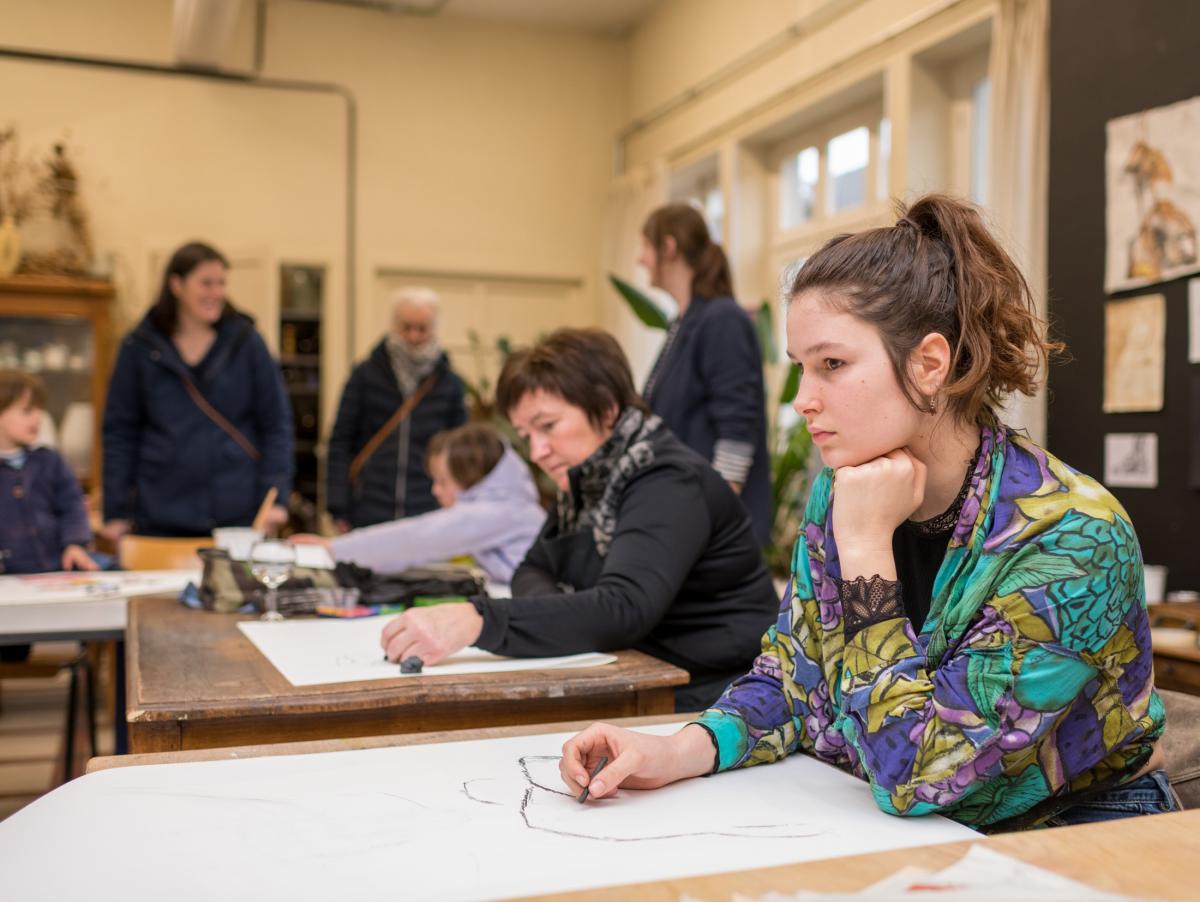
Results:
732 459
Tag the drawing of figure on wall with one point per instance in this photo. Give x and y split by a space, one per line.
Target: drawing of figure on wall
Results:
1135 460
1166 236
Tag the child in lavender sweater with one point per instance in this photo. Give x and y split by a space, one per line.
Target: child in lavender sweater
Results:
489 511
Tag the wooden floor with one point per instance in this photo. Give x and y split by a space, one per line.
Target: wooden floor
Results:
32 722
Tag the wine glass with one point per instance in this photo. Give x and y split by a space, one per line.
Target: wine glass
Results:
271 564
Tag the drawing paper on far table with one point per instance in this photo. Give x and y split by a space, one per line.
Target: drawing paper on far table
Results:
313 652
91 585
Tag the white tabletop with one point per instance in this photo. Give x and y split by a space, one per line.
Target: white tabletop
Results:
483 819
53 606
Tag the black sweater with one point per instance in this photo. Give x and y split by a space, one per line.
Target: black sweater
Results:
683 581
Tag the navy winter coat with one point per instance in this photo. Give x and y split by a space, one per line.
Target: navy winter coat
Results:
709 387
167 466
393 483
41 513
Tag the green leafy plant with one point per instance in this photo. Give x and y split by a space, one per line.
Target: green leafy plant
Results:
480 392
643 306
788 440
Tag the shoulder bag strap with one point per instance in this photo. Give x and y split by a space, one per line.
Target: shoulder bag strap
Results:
401 414
215 415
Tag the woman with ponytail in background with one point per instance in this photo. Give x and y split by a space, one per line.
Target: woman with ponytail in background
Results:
965 627
707 384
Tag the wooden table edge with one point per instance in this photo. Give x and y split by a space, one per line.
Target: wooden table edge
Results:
871 867
369 695
351 743
375 695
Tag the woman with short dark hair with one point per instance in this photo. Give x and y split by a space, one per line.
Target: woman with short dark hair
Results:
197 425
647 547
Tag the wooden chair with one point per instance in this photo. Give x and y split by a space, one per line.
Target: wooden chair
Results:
160 552
1181 743
81 692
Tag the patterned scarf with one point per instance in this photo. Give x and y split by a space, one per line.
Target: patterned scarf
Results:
597 483
410 364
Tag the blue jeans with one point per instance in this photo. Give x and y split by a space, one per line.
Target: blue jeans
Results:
1151 794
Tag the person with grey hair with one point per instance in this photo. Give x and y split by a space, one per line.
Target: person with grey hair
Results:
393 403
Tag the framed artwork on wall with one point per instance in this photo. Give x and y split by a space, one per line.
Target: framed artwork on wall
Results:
1134 342
1152 176
1131 460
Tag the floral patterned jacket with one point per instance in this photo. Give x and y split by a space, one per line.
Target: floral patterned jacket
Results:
1030 680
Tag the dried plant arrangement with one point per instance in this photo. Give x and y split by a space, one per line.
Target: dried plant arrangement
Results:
18 178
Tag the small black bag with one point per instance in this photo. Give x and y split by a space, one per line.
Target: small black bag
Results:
431 581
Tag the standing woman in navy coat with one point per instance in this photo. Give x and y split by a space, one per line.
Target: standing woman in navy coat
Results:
197 426
707 384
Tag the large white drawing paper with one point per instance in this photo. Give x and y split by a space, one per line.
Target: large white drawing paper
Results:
314 652
78 586
469 820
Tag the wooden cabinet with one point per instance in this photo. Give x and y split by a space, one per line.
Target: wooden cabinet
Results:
302 288
61 330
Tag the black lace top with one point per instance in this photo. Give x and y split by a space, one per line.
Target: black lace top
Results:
918 548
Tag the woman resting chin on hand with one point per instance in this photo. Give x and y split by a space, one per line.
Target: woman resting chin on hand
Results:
965 627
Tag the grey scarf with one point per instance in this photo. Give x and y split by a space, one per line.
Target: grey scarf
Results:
410 364
597 483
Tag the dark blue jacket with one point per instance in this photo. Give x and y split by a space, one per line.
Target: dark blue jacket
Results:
170 468
709 386
41 513
393 483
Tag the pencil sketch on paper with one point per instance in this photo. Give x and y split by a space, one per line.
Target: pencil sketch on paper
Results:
441 822
1131 460
1134 340
545 805
1153 202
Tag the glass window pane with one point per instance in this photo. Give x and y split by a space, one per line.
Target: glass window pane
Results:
885 157
714 213
798 187
981 95
848 154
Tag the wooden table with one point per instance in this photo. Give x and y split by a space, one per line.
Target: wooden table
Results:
1151 857
1176 655
195 682
26 615
1145 857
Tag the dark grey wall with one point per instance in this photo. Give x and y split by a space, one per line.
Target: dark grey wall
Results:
1109 58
